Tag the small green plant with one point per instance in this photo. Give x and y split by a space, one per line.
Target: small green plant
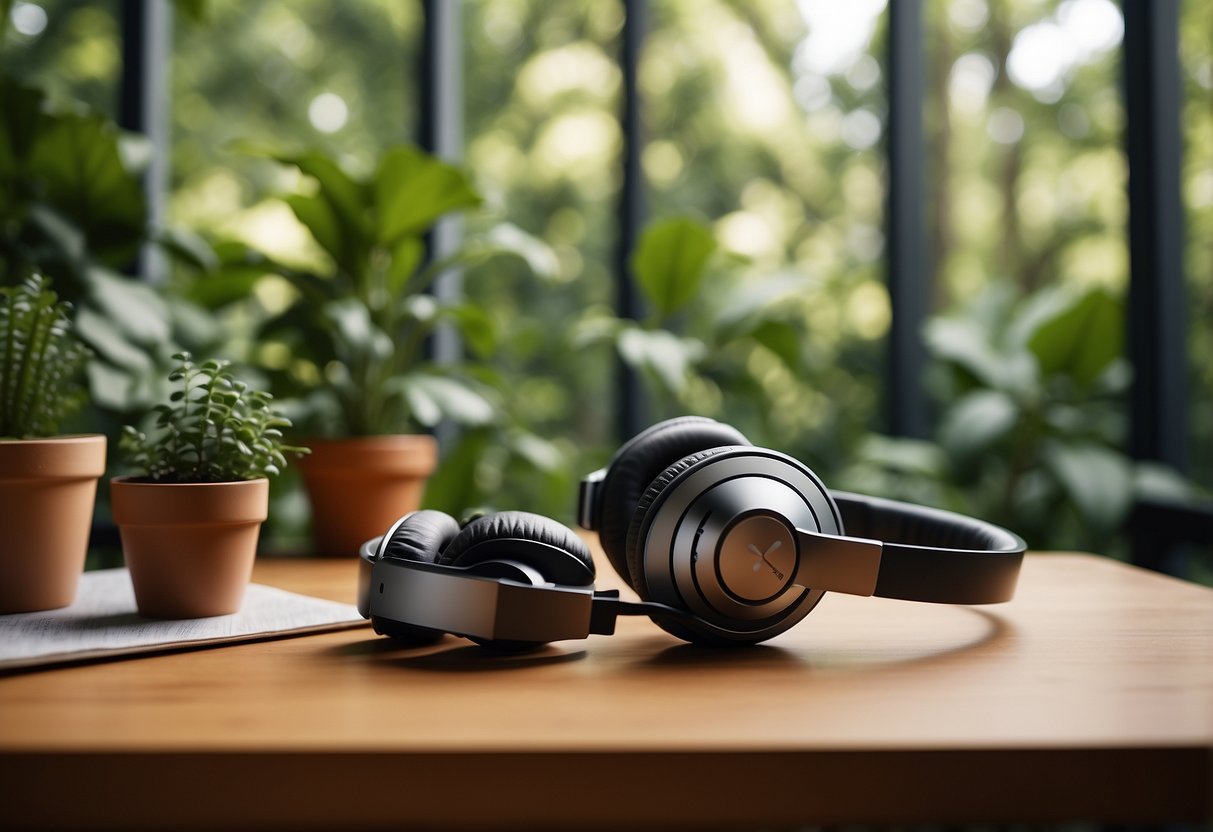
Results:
40 361
214 429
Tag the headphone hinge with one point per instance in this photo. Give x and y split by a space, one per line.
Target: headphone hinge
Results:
588 498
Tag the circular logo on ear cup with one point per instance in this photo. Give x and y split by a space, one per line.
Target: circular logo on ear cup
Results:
757 558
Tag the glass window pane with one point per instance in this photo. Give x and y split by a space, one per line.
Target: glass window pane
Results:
767 120
542 88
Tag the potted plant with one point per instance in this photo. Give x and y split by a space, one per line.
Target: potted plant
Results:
190 520
48 483
349 344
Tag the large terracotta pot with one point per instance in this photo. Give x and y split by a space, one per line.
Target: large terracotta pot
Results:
190 547
47 491
358 487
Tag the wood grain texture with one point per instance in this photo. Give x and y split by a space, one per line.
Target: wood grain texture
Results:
1092 691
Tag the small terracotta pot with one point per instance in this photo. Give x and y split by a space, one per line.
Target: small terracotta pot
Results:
358 487
190 547
47 491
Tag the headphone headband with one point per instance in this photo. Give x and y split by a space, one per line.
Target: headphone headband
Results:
928 554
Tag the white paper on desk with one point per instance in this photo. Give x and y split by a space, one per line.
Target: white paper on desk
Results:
103 622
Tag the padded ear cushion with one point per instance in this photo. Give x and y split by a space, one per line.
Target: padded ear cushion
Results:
422 536
655 490
577 570
638 462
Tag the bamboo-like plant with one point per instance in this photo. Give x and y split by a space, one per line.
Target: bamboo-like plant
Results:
214 429
40 361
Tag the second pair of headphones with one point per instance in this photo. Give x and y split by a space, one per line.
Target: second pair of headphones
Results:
724 542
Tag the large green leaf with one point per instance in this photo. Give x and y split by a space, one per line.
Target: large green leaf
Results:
413 189
1082 339
476 326
343 229
357 336
1098 480
507 238
966 344
135 308
406 256
432 398
317 214
670 262
662 353
76 161
105 338
784 339
977 421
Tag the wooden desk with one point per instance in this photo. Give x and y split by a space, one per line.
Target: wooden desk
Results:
1088 697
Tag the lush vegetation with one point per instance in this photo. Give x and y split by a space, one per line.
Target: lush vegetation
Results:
40 361
215 428
763 272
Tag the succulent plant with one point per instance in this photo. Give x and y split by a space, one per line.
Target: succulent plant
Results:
214 429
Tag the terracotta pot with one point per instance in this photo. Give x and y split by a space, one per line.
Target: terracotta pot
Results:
358 487
190 547
47 491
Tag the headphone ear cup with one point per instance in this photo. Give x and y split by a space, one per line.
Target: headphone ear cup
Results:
571 565
635 547
637 464
421 537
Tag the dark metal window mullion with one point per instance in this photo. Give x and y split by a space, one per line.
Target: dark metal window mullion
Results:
143 107
908 277
631 409
1157 325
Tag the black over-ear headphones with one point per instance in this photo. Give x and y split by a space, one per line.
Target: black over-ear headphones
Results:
724 542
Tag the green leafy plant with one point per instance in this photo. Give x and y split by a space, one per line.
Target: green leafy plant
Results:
351 342
72 208
1031 429
708 317
214 429
40 361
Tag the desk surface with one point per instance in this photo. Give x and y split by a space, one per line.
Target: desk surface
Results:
1090 696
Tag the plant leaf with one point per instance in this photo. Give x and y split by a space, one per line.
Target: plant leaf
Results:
134 307
413 189
475 326
77 161
670 262
105 338
976 421
662 353
317 214
1082 339
433 397
507 238
1097 479
966 344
